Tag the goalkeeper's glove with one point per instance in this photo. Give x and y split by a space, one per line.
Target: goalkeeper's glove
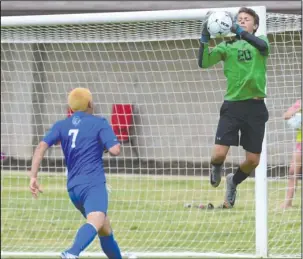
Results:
235 28
205 35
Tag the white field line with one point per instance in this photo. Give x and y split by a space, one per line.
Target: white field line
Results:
6 173
109 176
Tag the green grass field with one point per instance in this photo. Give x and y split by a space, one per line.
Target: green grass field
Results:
147 214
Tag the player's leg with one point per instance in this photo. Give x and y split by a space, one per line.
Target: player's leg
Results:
252 134
251 162
107 241
233 180
94 201
75 195
85 235
294 171
218 157
226 136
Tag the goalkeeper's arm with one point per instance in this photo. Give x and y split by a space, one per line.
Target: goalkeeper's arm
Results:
207 59
253 40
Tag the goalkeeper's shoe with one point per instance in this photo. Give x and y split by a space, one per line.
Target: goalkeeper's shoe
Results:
66 255
231 191
215 175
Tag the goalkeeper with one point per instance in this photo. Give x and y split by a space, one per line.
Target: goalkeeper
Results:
296 164
243 108
83 138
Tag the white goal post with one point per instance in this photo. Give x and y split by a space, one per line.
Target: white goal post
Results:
147 60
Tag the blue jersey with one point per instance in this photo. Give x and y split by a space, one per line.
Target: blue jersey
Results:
83 138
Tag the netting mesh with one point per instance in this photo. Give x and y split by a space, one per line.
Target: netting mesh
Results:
153 66
131 32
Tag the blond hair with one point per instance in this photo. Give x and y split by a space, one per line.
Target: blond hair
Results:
79 98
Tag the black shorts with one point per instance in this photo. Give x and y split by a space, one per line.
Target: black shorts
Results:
246 117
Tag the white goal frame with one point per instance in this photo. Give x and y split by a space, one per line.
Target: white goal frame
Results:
261 227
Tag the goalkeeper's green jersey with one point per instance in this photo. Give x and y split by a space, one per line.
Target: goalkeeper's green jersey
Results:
244 68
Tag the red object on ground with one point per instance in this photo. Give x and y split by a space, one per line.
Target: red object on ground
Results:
122 120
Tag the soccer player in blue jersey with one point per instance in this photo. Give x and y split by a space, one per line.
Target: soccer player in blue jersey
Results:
83 138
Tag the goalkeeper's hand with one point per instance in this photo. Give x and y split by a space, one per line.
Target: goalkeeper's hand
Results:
235 28
205 35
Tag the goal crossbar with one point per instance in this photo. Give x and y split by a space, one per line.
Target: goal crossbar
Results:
113 17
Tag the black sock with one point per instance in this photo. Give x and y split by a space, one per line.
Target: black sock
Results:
239 176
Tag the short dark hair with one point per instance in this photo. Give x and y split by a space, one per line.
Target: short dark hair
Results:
252 13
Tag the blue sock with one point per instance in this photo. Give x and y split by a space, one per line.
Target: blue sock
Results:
85 235
110 247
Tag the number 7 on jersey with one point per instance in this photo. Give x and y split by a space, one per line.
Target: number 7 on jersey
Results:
74 133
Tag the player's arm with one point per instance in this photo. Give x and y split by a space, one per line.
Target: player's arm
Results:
51 138
109 139
37 158
260 43
292 110
205 57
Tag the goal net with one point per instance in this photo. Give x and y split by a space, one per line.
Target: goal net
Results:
145 73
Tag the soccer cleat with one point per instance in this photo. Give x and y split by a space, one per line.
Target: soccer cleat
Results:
215 175
66 255
231 192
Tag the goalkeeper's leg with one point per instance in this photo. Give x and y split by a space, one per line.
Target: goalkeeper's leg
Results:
227 135
233 180
218 157
107 241
252 134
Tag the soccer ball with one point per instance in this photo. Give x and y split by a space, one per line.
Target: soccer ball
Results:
295 121
219 24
